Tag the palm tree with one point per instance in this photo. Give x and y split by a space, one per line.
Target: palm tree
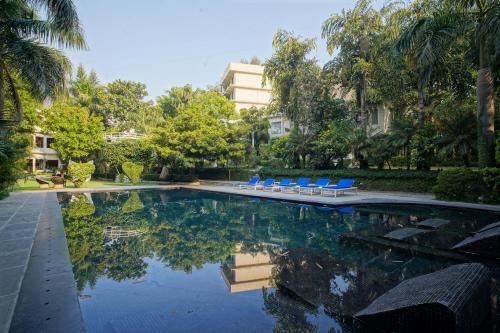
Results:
455 122
402 131
478 22
24 52
85 89
353 32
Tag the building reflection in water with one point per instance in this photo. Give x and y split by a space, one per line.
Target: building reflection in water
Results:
248 271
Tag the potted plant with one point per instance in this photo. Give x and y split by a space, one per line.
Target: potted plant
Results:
58 181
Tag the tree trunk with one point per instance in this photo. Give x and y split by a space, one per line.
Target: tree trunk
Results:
364 47
2 91
485 110
362 103
465 158
421 107
253 140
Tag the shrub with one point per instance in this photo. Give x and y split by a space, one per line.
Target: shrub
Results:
80 172
460 184
398 161
225 173
114 154
133 171
491 178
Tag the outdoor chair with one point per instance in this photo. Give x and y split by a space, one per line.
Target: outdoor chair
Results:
43 183
252 182
342 186
277 187
267 182
295 186
316 187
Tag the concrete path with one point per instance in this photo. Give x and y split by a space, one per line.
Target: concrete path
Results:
19 217
350 198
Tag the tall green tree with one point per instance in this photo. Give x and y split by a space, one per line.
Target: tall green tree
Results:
286 70
78 135
200 131
176 98
122 105
85 89
478 23
456 127
256 123
353 33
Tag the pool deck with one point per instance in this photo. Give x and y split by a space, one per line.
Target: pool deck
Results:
34 256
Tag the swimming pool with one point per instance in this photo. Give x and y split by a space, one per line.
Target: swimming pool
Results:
186 260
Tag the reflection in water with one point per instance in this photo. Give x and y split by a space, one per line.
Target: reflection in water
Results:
247 271
161 254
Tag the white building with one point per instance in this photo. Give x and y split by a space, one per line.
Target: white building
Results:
243 84
42 156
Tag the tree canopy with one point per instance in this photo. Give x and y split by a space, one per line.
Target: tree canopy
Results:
78 135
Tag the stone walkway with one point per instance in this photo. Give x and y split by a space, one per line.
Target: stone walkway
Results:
350 198
19 217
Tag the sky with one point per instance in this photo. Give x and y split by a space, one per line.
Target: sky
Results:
167 43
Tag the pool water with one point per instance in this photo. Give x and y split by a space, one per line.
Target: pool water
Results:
186 260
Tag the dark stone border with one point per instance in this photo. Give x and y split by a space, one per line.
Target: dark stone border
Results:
48 301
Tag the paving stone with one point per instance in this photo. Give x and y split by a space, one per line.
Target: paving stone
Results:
7 306
48 300
29 218
19 215
11 280
11 246
21 226
17 233
15 259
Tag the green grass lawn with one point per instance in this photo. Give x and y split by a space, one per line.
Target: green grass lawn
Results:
32 185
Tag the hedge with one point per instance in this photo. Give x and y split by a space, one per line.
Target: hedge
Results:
381 180
469 185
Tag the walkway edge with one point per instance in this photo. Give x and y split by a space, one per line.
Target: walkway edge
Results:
48 301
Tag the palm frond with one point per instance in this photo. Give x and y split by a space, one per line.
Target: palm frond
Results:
43 68
62 24
18 109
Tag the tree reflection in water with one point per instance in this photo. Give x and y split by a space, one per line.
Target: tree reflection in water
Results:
313 270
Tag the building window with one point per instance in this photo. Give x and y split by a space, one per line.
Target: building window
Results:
29 165
375 117
275 128
50 141
39 141
39 165
51 165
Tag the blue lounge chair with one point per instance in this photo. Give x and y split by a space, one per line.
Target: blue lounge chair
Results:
277 187
342 186
252 182
300 182
265 183
316 187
